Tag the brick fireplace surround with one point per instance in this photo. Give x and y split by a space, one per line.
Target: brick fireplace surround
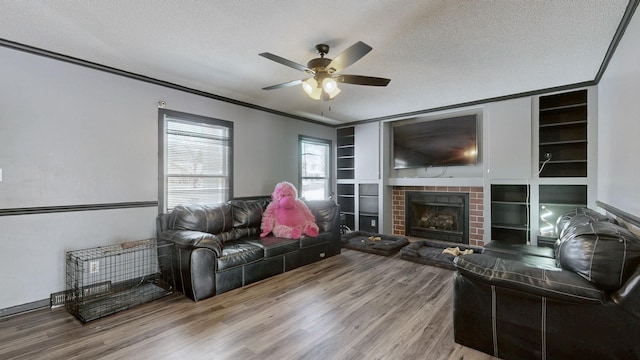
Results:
476 208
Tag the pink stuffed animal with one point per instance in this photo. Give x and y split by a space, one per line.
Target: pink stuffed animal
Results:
287 216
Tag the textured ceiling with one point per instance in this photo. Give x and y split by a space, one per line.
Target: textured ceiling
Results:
436 52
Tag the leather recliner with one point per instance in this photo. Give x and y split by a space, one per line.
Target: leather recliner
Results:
580 300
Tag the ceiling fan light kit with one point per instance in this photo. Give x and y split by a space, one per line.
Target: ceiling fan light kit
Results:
327 89
330 85
310 86
324 83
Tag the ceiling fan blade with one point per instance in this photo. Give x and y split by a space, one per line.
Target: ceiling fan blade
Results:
287 84
352 54
286 62
363 80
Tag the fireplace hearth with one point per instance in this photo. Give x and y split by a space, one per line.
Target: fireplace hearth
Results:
438 216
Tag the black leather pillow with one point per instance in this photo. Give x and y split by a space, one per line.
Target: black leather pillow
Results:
209 218
324 211
579 216
247 216
604 253
247 213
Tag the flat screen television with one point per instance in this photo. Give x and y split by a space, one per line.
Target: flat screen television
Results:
442 142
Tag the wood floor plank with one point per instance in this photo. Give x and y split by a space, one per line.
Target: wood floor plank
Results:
351 306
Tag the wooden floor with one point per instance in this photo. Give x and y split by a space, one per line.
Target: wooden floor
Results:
350 306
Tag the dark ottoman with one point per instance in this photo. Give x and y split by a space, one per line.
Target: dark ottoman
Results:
387 245
429 252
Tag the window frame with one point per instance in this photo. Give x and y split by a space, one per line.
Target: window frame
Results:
329 162
163 114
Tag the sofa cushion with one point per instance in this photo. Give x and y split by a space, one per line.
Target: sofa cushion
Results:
602 252
247 216
322 238
238 253
324 211
516 275
209 218
580 216
274 246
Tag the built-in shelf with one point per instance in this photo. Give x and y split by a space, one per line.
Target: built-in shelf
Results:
564 124
563 142
508 202
346 200
562 133
357 173
521 227
345 153
368 207
556 200
510 213
563 121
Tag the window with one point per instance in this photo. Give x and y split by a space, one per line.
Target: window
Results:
195 162
315 168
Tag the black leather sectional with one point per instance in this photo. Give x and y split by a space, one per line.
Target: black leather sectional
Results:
217 248
580 300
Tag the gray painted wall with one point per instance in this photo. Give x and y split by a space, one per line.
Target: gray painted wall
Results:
619 125
71 135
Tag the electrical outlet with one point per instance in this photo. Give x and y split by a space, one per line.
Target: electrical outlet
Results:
94 267
373 222
547 156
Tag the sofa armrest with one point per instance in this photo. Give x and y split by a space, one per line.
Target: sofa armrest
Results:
327 216
551 283
194 239
628 296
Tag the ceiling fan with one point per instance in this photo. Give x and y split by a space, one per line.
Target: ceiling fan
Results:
324 83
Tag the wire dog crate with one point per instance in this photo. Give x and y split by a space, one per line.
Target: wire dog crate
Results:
107 279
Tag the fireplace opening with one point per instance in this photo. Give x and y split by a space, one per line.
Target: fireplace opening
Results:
438 216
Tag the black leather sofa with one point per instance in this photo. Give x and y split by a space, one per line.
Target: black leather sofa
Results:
218 247
580 300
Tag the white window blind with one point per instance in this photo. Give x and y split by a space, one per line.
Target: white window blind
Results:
198 156
315 168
